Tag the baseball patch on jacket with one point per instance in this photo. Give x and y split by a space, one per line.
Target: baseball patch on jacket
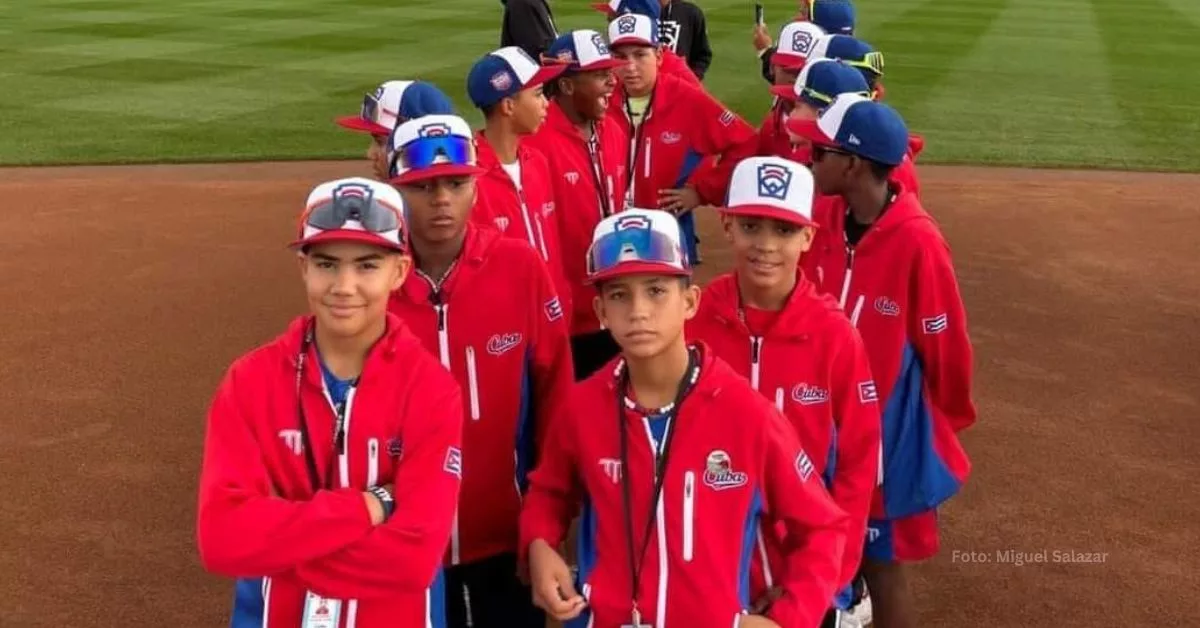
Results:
719 474
935 324
499 344
453 464
804 465
553 309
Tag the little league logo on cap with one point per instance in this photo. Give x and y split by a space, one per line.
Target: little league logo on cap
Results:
430 147
771 187
582 51
636 241
355 210
632 29
859 126
796 41
505 72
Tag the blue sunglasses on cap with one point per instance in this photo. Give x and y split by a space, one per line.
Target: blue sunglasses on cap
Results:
425 152
637 244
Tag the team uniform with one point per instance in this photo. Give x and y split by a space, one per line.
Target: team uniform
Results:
288 453
588 179
896 282
496 324
672 63
796 40
719 479
806 358
672 132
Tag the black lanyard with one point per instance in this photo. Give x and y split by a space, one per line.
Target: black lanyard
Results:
663 452
339 435
597 158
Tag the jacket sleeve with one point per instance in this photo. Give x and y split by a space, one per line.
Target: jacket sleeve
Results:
938 328
405 552
243 530
816 529
551 353
528 25
858 446
555 489
701 54
765 59
724 134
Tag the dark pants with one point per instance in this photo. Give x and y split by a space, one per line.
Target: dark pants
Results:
592 351
487 594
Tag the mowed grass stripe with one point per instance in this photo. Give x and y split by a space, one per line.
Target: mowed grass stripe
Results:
1011 102
1153 66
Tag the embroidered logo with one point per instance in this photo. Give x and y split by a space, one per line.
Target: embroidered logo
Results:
395 447
501 81
501 222
801 42
726 118
804 465
292 440
632 221
571 177
499 344
612 469
934 325
598 43
774 181
808 395
887 307
626 24
553 309
547 208
671 137
719 474
866 392
434 129
453 464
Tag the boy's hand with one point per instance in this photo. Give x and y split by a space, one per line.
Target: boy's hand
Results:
756 621
763 603
553 588
762 39
678 201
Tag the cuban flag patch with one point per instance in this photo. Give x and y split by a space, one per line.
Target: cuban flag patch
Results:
553 309
726 118
453 464
934 325
866 392
804 465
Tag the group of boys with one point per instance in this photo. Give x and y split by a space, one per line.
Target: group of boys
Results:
506 349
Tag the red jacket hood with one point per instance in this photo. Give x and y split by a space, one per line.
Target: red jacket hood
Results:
801 315
479 240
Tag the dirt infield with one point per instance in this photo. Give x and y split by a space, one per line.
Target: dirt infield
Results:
127 291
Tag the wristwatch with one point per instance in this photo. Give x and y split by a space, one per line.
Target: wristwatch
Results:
385 499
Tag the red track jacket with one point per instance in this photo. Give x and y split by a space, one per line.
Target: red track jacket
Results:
684 126
676 66
258 515
500 330
526 214
732 458
810 363
899 289
583 196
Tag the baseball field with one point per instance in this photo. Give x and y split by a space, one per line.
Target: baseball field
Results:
127 289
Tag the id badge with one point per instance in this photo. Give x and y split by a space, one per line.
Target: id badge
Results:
320 612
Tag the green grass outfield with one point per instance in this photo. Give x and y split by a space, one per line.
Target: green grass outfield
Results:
1101 83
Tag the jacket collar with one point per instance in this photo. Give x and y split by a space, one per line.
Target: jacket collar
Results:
796 321
476 244
293 340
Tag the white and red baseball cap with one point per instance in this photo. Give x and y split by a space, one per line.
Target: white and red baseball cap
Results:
353 210
395 101
505 72
431 147
637 242
771 187
796 41
633 29
582 51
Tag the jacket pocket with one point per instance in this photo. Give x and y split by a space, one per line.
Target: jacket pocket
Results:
472 383
689 514
372 462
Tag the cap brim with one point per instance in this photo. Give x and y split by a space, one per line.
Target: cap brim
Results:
786 92
545 74
603 8
631 40
809 130
347 235
787 61
433 172
769 211
625 269
357 123
603 64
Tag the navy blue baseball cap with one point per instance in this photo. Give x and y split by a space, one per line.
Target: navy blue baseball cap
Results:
394 102
854 52
648 8
821 81
833 16
505 72
860 126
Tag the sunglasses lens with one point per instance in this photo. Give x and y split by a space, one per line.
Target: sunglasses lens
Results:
370 108
637 244
431 151
345 207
